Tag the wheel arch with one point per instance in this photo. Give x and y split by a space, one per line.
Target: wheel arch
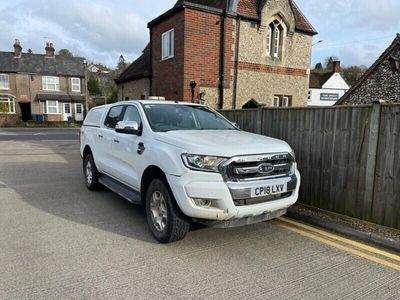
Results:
87 150
150 173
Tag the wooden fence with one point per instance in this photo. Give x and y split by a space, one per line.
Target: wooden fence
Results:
349 157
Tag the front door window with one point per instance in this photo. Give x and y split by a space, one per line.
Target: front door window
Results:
67 111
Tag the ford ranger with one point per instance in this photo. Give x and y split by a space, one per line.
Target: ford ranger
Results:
186 163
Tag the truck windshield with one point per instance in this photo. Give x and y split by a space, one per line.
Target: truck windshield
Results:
167 117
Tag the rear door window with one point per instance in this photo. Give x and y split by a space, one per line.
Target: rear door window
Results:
94 117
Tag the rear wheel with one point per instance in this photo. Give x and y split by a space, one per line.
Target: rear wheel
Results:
91 173
167 223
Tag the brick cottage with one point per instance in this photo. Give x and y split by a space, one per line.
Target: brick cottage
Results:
41 84
229 54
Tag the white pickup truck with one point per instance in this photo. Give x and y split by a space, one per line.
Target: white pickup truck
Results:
186 162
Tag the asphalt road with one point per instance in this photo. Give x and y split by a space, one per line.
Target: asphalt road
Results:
60 241
42 134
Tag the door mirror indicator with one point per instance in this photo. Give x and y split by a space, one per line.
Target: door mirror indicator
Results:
128 127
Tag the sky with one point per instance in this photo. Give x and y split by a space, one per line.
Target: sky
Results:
356 31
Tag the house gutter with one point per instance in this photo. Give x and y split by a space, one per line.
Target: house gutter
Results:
151 63
222 57
237 48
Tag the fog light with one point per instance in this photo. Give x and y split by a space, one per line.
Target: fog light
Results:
202 202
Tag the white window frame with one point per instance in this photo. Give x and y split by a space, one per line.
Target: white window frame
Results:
76 87
277 39
11 105
275 101
269 40
57 111
285 101
281 101
275 36
168 44
6 82
50 86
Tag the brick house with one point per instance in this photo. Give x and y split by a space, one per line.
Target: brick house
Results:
380 82
232 52
41 84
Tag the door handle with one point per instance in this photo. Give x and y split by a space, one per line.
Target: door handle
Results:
100 136
116 141
141 148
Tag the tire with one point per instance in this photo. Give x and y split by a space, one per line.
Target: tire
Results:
91 173
166 221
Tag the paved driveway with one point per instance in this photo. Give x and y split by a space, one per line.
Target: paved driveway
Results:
60 241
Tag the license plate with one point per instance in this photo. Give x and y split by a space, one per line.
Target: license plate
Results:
269 190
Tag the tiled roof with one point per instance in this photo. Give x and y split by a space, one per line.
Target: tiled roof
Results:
318 79
140 68
249 9
371 70
220 4
40 64
302 23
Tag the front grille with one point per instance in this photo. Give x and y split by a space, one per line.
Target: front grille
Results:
258 167
252 201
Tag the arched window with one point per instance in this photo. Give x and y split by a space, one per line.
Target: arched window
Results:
269 40
274 39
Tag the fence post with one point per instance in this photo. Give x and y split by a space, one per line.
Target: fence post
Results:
259 119
373 139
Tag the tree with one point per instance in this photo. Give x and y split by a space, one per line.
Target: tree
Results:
113 97
319 67
329 62
352 73
93 86
121 64
65 53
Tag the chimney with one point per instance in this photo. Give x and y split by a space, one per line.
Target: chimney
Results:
17 48
49 50
336 67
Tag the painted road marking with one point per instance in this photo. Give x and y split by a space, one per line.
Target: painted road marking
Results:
340 247
342 239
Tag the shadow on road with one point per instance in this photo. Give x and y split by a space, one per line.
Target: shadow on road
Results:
58 189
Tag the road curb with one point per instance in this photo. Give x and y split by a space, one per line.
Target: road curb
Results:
345 230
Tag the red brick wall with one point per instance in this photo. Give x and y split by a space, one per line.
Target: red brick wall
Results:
202 50
272 69
168 74
8 119
54 118
197 54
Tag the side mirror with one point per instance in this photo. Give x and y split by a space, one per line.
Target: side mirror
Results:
128 127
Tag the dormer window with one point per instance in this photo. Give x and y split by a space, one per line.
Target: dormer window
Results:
274 40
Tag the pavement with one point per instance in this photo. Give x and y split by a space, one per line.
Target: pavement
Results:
60 241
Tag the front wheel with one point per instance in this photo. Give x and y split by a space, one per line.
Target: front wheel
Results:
91 173
167 223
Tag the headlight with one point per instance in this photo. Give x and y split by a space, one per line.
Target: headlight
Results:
292 154
202 162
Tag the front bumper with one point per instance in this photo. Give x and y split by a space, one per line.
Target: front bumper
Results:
211 186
